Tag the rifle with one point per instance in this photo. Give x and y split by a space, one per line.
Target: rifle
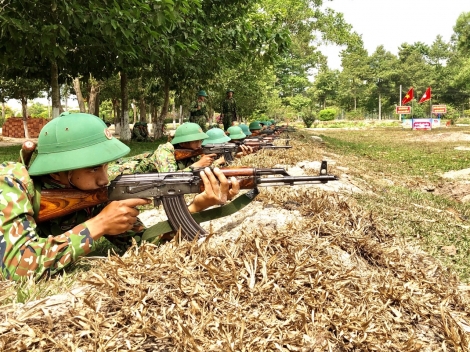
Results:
26 152
225 149
168 189
261 144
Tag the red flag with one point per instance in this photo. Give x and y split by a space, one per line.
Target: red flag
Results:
426 96
408 97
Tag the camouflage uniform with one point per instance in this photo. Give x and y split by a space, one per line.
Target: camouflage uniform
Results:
229 110
31 249
27 248
161 160
199 116
140 133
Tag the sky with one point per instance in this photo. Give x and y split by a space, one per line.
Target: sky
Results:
393 22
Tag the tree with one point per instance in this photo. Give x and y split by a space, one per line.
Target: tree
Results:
326 85
354 60
382 77
462 32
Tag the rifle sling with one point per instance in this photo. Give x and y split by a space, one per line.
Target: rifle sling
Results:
205 215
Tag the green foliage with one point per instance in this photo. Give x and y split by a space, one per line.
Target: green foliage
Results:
419 110
308 119
327 114
452 114
38 110
355 115
462 31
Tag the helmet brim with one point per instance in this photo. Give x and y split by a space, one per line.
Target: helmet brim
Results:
96 154
238 136
189 138
216 140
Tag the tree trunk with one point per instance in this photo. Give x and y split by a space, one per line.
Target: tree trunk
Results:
24 108
125 130
92 97
3 110
97 105
143 109
117 114
61 109
55 90
158 133
78 93
380 107
153 114
134 111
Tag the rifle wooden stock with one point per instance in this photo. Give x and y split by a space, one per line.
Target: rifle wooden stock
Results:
27 150
181 154
59 202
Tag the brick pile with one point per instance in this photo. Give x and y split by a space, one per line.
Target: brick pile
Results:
13 127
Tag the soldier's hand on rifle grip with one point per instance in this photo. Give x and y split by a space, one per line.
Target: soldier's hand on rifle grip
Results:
218 162
116 218
217 190
204 161
245 151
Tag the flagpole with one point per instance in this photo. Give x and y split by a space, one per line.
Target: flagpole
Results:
399 104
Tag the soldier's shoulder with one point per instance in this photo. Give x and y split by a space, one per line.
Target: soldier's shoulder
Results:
15 174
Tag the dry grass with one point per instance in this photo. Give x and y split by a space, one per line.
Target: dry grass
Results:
335 279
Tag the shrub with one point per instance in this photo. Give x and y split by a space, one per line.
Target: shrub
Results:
327 114
308 119
355 115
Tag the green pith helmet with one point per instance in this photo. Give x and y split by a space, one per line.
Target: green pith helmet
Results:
188 132
216 135
235 132
268 123
229 90
202 93
75 141
245 129
254 126
273 122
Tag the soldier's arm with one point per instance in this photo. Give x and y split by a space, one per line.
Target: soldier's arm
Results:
22 251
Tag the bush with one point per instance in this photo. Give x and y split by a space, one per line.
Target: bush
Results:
327 114
308 119
355 115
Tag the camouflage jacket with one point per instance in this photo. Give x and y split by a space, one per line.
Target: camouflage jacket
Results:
29 249
229 108
140 133
161 160
194 111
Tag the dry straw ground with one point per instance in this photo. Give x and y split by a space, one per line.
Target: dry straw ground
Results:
299 269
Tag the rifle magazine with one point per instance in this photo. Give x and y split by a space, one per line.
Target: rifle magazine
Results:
179 217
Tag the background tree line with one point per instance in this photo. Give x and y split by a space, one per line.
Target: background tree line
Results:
149 57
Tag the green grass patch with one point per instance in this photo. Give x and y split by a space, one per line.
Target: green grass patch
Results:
401 168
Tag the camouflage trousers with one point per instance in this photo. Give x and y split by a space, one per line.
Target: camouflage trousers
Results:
228 121
200 120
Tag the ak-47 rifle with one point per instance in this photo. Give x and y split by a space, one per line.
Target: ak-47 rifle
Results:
262 144
227 150
222 149
168 189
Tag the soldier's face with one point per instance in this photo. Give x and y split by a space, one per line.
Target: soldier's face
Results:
86 179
